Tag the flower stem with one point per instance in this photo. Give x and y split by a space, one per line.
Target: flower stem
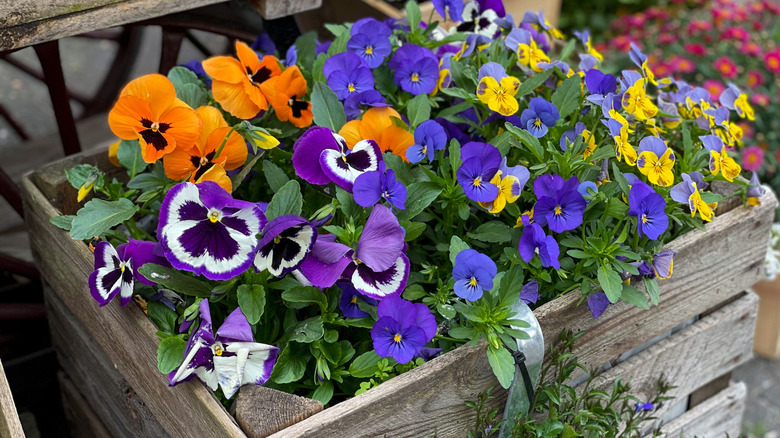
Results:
224 140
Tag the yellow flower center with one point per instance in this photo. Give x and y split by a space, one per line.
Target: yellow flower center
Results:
369 50
415 77
478 181
351 87
214 216
218 350
538 123
155 127
557 209
473 281
354 299
277 239
203 161
397 337
644 218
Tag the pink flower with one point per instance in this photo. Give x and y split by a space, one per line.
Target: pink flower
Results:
735 33
662 69
726 67
715 87
667 38
752 158
760 99
698 26
695 49
747 129
754 79
681 64
772 61
750 48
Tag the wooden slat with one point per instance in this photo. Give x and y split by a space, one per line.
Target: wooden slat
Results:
125 335
83 421
719 416
263 411
40 20
710 268
107 393
10 426
271 9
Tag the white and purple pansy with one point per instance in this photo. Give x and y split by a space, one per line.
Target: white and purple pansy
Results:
205 231
326 261
285 242
229 359
116 269
380 267
321 156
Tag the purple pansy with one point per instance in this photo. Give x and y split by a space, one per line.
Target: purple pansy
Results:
691 183
598 303
322 47
204 230
755 190
346 74
560 205
530 292
473 273
228 358
534 241
644 407
599 85
480 163
403 328
586 187
370 40
117 269
418 76
348 303
368 99
539 116
285 243
570 136
371 187
326 261
663 263
428 137
515 37
264 44
321 156
648 207
454 7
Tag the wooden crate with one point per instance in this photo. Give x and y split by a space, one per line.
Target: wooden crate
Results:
711 270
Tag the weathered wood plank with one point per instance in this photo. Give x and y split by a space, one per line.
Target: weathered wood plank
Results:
719 416
271 9
126 335
691 358
263 411
10 426
710 268
83 421
28 27
108 394
767 343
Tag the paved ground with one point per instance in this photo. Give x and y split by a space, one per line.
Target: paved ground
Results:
762 414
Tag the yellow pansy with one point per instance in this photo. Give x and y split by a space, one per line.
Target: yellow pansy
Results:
636 102
531 55
499 97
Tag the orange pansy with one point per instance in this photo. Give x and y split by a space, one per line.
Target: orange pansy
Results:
377 125
200 163
149 111
284 93
236 82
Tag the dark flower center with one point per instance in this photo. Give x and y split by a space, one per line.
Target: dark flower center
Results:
297 106
262 75
153 135
203 164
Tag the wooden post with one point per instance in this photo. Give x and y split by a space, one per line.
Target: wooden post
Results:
10 426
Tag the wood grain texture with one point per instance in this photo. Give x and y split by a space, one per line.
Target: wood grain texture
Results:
125 335
710 268
271 9
55 23
108 394
719 416
83 421
10 426
263 411
767 342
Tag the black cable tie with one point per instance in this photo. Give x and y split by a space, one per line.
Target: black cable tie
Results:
529 387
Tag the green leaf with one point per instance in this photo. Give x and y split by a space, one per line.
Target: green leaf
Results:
331 350
525 137
307 331
511 285
503 365
237 179
532 83
419 196
289 366
170 354
634 296
568 49
304 294
651 286
287 200
317 74
413 14
503 142
339 44
456 246
274 175
413 230
175 280
162 316
567 97
347 203
193 95
616 208
414 292
418 110
324 392
98 216
327 109
180 76
150 180
610 283
77 175
620 178
306 48
492 232
365 364
402 170
129 156
446 310
460 332
64 221
251 300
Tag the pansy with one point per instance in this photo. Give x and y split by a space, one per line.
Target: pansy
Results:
370 41
284 92
584 36
539 20
649 209
640 60
348 302
499 93
624 151
599 85
559 205
417 76
663 263
656 161
371 187
734 99
539 116
473 273
355 102
236 82
116 270
204 230
720 162
571 135
285 242
227 358
478 20
687 192
531 55
755 191
148 110
346 74
454 7
535 242
403 328
636 102
428 137
597 303
639 407
530 292
326 261
380 267
200 162
480 163
510 182
321 156
377 125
